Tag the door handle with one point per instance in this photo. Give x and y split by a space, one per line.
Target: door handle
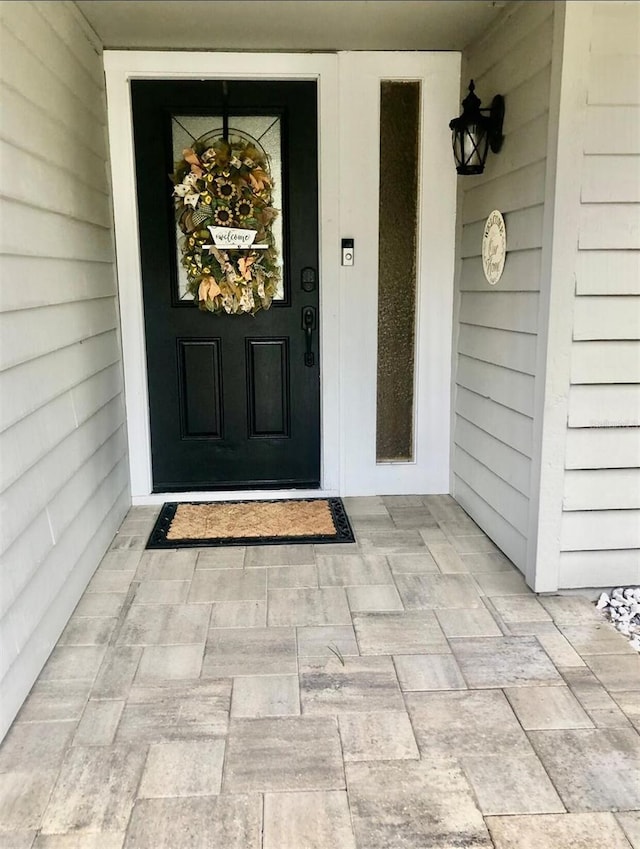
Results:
308 325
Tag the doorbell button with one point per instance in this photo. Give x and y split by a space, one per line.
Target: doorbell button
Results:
347 252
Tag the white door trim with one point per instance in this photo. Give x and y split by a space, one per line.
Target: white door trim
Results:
122 66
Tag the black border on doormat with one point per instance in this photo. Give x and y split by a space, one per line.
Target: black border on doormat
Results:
158 537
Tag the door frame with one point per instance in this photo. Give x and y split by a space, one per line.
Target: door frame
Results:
121 66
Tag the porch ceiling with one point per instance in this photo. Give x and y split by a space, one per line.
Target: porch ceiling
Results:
290 24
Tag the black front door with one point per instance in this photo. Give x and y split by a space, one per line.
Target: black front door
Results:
234 399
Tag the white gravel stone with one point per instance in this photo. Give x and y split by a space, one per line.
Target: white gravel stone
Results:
622 608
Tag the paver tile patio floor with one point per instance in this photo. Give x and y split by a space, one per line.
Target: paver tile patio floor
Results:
403 692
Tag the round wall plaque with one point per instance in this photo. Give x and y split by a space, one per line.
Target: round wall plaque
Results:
494 247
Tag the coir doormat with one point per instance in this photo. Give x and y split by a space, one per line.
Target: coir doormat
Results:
202 524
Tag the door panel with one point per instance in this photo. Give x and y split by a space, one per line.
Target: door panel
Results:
234 400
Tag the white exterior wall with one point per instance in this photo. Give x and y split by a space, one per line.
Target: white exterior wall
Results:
497 327
600 526
64 477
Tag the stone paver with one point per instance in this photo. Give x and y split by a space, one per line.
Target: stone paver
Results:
183 768
320 819
511 785
547 708
266 695
161 663
381 736
504 662
413 632
428 672
96 790
305 606
568 831
464 723
404 691
327 641
99 723
630 823
332 685
250 651
592 769
283 754
414 804
196 823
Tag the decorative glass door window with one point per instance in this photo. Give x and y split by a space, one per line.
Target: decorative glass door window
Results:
266 130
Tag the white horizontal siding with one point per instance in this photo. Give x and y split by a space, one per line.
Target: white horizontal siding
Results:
29 231
509 31
604 177
602 489
57 191
594 530
600 318
509 503
36 435
603 568
64 485
524 231
28 334
601 520
505 536
616 28
608 272
501 347
604 406
508 464
25 70
39 485
24 125
51 281
612 130
33 384
521 273
603 448
605 362
609 226
497 327
104 512
524 147
505 424
506 387
528 102
523 60
516 190
614 80
515 311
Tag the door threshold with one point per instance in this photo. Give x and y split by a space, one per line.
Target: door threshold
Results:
231 495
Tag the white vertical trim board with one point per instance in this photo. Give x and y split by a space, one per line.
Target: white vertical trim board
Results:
360 78
559 261
121 67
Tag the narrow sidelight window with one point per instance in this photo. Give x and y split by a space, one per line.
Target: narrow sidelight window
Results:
397 268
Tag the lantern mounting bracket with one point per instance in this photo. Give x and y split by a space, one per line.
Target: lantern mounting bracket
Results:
496 117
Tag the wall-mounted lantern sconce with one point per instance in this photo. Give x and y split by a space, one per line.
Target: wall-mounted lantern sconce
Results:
473 133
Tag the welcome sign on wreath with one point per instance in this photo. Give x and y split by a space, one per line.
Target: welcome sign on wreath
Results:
223 204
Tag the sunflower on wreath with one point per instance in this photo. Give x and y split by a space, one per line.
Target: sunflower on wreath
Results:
226 184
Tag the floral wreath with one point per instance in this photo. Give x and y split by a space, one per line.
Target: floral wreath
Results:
226 184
